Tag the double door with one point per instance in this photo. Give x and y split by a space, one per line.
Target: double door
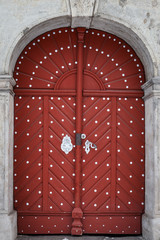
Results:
79 152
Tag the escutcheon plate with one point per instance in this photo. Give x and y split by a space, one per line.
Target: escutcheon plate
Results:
66 145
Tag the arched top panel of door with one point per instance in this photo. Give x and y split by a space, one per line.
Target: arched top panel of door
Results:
50 62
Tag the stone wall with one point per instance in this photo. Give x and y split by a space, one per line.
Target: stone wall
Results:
137 22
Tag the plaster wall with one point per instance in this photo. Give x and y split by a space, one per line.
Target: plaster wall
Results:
137 22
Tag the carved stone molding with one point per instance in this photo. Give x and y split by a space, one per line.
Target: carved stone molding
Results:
152 140
7 83
2 152
82 12
151 88
6 152
157 157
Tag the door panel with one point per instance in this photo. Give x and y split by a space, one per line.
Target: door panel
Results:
46 171
130 153
113 176
28 154
112 224
96 165
61 165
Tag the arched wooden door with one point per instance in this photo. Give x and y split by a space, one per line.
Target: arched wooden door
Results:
72 82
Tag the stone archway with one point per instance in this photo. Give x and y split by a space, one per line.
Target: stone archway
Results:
152 212
107 25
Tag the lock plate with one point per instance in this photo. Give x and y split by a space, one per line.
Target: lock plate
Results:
66 145
78 139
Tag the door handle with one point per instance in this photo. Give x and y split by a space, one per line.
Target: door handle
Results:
89 145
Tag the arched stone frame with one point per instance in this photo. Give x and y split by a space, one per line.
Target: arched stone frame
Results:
131 37
151 219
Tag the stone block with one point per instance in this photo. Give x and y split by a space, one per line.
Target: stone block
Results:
82 12
151 228
8 226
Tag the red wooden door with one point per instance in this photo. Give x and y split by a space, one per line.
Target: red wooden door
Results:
72 82
112 179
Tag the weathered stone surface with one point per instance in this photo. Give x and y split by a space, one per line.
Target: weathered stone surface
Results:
8 218
6 152
82 12
8 226
151 228
151 219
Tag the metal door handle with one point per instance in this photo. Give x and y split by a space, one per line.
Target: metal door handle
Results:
89 145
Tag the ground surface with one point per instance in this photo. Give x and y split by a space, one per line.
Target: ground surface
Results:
62 237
